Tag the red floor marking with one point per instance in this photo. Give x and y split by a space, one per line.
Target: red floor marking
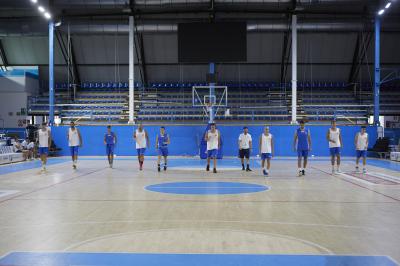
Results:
373 179
358 185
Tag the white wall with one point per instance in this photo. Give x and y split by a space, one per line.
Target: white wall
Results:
13 96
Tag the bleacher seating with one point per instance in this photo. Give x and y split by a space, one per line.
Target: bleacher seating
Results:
256 101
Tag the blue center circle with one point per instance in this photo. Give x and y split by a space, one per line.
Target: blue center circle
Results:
206 188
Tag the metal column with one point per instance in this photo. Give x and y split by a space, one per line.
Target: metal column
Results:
294 69
51 73
131 70
377 71
212 94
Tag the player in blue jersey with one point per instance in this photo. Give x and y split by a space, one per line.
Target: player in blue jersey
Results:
302 144
110 139
162 142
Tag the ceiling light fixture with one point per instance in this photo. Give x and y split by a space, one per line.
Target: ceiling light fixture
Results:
41 9
388 5
47 15
381 12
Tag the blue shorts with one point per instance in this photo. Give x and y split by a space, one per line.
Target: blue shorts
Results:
302 153
74 150
334 151
141 151
43 150
362 153
265 156
110 149
212 153
163 151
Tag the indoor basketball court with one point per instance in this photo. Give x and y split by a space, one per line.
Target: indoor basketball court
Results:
240 133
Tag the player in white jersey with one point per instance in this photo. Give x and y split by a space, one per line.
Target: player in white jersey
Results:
245 143
266 148
213 138
44 140
142 141
74 142
361 143
334 138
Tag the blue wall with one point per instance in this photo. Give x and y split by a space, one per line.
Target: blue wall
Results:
185 140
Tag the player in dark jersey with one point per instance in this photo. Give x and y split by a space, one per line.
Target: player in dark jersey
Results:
162 142
110 139
302 143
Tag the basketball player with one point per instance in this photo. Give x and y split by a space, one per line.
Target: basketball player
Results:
162 142
110 140
334 138
213 138
302 143
142 140
245 145
361 143
74 142
44 139
266 148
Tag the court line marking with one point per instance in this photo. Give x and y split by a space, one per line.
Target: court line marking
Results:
245 254
4 193
307 242
354 177
50 186
54 161
158 187
358 179
208 201
386 176
202 221
377 192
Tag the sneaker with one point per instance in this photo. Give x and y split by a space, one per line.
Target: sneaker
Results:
303 172
158 168
208 168
243 168
165 168
141 168
248 169
357 169
74 166
338 171
265 172
364 171
333 171
214 170
300 173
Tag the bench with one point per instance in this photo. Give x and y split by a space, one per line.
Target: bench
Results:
7 155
